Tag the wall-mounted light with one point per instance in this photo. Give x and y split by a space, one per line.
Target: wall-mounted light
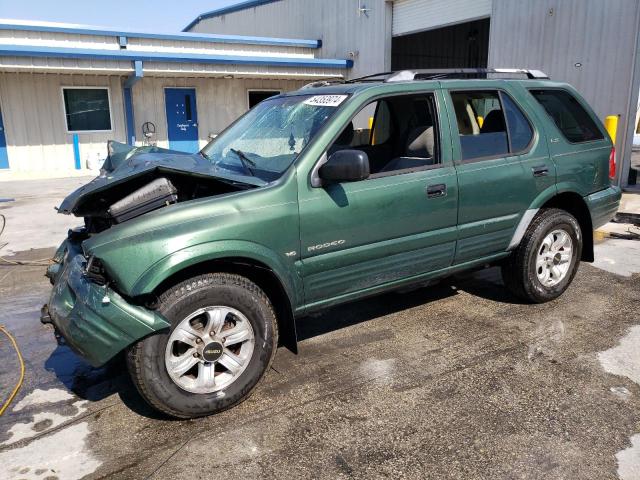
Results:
362 9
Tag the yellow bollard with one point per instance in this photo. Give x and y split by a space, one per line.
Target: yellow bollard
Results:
611 125
480 121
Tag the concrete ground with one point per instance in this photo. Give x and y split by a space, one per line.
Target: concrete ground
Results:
31 221
456 380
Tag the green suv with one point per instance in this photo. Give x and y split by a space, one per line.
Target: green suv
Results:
197 265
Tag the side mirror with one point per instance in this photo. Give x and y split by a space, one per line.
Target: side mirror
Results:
345 166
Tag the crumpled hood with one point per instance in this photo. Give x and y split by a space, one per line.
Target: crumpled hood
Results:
125 163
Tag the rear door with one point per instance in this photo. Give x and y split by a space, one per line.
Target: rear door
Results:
397 224
579 145
502 162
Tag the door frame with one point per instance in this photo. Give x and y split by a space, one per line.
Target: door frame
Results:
166 119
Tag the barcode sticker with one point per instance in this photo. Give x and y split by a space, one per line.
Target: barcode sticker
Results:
325 100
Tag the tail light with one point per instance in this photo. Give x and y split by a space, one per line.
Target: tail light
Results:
612 163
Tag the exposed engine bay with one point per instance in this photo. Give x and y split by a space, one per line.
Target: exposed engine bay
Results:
143 195
136 181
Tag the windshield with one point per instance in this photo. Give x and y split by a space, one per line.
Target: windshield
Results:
268 138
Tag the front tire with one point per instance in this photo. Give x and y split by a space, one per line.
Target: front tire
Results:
222 340
543 265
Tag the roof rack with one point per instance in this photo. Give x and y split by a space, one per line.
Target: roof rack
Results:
323 83
448 73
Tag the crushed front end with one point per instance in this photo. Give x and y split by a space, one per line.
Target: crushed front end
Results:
88 315
131 200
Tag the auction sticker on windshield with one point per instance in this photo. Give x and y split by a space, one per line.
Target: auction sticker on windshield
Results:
325 100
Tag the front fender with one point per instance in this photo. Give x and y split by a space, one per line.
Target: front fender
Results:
217 250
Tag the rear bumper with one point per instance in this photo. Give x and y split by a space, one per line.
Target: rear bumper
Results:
94 320
603 205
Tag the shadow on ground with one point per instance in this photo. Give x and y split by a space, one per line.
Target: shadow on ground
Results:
95 384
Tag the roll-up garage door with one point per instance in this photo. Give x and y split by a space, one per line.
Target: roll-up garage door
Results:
418 15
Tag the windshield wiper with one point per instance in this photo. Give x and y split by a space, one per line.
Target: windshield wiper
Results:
247 163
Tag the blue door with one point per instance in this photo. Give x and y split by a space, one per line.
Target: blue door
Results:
4 159
182 119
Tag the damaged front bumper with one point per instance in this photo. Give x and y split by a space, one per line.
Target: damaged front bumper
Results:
94 320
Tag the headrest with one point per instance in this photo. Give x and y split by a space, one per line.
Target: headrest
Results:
493 122
346 137
420 142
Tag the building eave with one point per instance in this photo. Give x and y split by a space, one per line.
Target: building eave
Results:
182 36
226 10
133 55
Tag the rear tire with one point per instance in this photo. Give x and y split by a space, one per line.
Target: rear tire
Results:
543 265
223 335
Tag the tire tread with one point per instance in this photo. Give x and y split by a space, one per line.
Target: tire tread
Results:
514 268
133 357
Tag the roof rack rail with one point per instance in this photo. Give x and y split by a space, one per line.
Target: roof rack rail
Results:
435 74
323 83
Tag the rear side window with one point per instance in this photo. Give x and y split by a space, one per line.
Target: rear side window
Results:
569 116
490 124
520 131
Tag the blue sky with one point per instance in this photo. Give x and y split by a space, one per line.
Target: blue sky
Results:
144 15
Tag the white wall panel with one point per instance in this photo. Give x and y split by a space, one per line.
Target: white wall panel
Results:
218 101
33 113
411 16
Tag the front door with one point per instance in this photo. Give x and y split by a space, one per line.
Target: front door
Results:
4 159
397 224
182 119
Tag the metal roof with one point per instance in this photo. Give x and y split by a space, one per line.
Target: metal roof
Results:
224 10
10 24
20 40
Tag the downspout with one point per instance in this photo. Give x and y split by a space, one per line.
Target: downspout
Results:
128 101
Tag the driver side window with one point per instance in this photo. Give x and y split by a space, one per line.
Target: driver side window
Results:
399 134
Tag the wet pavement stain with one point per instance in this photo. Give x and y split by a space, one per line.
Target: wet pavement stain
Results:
455 380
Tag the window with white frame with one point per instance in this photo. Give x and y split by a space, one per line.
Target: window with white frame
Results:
87 109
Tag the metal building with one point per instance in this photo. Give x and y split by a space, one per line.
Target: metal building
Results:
592 44
66 89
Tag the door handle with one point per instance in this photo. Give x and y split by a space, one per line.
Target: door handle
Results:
540 171
434 191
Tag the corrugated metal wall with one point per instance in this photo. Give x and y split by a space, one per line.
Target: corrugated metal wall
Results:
33 112
588 43
336 22
411 16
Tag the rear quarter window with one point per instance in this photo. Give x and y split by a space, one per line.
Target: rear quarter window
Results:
569 115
